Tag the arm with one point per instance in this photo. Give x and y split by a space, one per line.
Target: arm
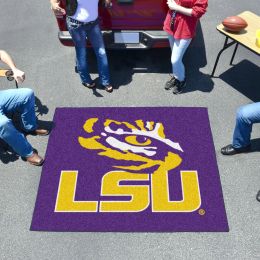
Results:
198 9
18 75
180 9
55 6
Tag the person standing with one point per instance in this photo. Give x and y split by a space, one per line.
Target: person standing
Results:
83 23
19 101
180 24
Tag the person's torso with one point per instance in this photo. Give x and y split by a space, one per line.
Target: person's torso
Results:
184 26
87 11
187 3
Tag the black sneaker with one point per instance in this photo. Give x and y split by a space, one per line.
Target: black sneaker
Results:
178 86
170 83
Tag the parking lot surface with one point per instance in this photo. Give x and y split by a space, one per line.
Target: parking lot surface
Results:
28 31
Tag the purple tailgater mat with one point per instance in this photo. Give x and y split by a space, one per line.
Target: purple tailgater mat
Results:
127 169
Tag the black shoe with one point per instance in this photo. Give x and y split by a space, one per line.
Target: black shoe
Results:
258 196
178 86
230 150
170 83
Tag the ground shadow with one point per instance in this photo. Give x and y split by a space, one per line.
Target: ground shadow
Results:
244 77
194 59
7 155
125 63
40 109
255 145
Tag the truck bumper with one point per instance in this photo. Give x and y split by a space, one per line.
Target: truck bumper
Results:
126 39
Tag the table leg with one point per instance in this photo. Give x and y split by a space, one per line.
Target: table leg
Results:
226 45
234 53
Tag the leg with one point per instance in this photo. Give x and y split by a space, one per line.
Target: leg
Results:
226 45
21 101
97 42
171 40
246 116
170 83
78 35
14 138
178 50
234 53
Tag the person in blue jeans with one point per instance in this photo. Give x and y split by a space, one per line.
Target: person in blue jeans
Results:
82 22
20 101
246 116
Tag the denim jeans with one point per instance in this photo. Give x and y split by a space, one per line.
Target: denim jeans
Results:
80 33
179 47
246 116
17 101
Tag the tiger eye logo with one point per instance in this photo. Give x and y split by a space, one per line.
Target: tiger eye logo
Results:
139 143
139 152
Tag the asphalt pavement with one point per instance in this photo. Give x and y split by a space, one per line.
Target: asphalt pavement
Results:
28 31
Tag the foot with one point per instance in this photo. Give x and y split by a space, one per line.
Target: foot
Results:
170 83
35 159
39 131
108 88
89 85
230 150
178 86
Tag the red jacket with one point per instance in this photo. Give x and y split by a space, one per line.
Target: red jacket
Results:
185 26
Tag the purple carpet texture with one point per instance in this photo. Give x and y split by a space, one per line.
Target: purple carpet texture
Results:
130 170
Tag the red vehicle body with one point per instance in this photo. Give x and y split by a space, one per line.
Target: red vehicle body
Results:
134 24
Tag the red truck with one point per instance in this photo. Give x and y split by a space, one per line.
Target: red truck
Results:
128 24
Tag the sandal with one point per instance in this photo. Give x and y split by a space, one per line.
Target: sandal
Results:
108 88
89 85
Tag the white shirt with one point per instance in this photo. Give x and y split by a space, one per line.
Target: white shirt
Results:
87 11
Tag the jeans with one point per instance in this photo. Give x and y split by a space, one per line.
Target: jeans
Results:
80 33
17 101
246 116
179 47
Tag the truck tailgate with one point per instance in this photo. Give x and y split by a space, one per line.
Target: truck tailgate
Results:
133 14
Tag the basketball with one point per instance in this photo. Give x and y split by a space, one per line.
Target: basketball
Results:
234 23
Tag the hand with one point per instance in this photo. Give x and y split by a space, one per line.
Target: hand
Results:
57 9
18 75
108 3
172 5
